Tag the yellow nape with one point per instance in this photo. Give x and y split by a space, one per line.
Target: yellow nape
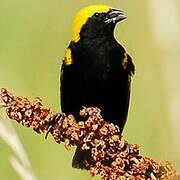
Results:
82 16
68 57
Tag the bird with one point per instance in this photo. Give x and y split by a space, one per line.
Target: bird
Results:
96 70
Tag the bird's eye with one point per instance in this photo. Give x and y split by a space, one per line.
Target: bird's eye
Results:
96 14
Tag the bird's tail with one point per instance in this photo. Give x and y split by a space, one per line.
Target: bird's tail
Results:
81 159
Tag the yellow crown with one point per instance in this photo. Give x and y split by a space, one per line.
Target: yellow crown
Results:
82 16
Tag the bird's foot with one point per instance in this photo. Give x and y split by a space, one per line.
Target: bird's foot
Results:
53 121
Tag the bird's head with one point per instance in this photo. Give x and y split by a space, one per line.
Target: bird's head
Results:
96 21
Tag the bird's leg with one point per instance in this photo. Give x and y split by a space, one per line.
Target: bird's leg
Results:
53 121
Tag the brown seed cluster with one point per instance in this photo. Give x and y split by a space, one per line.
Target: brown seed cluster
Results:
30 114
112 157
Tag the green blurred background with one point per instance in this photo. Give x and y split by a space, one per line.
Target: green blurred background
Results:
33 38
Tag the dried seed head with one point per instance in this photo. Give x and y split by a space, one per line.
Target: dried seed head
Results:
111 156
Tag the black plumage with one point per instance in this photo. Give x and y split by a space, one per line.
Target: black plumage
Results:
99 75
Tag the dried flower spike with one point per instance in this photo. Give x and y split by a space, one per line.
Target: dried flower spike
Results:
112 157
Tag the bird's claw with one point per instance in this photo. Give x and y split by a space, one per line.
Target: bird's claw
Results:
53 121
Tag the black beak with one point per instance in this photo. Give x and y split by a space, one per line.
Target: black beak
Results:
114 16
